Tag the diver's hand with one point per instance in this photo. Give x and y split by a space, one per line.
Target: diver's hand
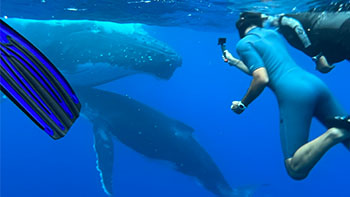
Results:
232 61
238 107
322 65
224 56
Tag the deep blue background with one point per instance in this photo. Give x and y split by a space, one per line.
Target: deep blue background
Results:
246 148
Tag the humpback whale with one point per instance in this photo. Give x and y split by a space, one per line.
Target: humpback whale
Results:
91 53
148 132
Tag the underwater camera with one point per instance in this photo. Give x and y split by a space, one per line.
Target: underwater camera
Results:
222 41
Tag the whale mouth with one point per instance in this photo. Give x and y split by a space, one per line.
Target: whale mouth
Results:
165 66
168 73
156 58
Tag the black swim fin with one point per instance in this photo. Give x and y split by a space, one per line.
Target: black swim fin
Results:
342 122
35 85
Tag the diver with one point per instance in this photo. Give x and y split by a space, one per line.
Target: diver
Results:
324 36
301 96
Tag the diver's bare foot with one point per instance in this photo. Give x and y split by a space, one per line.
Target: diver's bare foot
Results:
340 135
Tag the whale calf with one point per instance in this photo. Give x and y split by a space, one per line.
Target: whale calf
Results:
150 133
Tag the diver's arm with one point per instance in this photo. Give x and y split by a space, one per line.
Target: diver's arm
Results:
257 86
240 65
297 27
232 61
256 67
282 20
270 21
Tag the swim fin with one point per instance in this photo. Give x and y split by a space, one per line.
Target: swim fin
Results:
342 122
35 85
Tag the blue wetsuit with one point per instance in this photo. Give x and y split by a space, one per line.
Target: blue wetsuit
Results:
301 95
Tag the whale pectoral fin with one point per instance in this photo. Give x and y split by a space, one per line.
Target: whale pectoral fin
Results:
104 153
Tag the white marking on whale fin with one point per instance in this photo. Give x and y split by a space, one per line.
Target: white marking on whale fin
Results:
104 152
182 130
183 127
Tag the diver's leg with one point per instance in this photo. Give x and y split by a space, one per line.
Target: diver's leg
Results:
294 132
326 112
306 157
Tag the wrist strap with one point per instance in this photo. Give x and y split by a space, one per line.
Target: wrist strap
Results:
241 105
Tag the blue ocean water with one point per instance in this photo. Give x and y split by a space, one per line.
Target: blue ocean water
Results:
246 148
